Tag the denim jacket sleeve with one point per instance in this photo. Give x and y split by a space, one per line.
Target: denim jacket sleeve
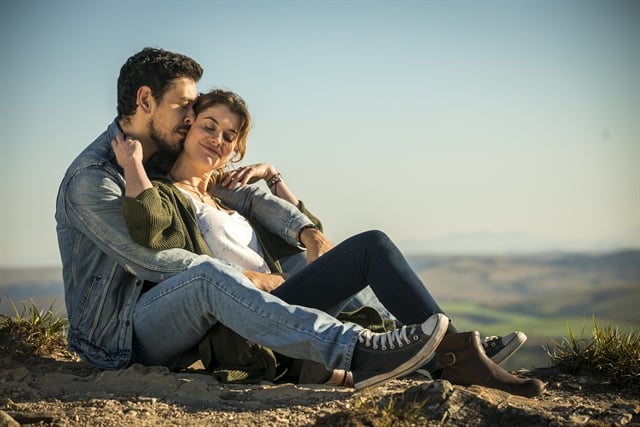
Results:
94 207
276 215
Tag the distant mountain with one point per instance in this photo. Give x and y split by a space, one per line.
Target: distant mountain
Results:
42 285
499 281
508 243
12 276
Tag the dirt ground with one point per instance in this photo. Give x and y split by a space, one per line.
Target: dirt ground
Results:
60 390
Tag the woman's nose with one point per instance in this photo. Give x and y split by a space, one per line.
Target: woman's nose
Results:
217 137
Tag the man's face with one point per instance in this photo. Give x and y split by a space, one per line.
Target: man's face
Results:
173 115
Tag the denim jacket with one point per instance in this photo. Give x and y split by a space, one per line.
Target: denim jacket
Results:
103 269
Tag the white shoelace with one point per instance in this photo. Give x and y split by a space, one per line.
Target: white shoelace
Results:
397 337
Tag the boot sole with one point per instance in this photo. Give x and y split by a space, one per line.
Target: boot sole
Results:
441 323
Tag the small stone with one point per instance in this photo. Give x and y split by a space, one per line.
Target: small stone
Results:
130 412
579 419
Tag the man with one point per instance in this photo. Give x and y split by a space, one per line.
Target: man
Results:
127 304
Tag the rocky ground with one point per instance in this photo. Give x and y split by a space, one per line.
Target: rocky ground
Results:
60 390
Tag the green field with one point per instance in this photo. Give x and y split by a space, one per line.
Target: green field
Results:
497 322
542 295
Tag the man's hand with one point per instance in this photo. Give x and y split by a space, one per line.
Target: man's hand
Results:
316 243
265 281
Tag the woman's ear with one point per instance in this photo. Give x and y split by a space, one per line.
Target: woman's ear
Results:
144 99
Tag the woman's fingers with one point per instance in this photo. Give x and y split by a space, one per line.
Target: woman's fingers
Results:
241 176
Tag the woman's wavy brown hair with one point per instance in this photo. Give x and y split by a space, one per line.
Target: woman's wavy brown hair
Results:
235 104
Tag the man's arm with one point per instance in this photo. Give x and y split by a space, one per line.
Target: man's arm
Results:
277 216
100 219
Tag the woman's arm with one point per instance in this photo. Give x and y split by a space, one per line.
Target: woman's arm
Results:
265 281
151 217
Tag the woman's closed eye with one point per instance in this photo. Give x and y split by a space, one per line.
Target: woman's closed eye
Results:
212 126
229 137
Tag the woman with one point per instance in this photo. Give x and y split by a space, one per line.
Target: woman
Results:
184 214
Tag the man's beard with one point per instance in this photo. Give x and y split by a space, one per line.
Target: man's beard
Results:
161 140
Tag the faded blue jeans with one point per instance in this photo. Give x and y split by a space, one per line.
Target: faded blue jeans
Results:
172 317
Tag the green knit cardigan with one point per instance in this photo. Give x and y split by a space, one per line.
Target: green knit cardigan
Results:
162 217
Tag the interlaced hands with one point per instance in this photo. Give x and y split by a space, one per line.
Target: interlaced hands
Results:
248 175
127 150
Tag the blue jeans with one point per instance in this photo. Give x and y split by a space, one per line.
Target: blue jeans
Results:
369 258
292 264
171 318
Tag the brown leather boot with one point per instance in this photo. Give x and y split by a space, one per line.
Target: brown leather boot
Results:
465 363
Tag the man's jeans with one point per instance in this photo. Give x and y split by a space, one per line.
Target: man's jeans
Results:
171 319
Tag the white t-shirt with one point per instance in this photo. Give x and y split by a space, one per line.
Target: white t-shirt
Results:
229 236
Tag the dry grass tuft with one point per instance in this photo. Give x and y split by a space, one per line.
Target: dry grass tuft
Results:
608 352
32 331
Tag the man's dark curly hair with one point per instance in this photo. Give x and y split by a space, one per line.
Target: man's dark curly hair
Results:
156 68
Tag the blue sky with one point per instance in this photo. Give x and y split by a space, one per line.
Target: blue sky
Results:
459 126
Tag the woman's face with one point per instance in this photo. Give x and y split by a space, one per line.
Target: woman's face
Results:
212 138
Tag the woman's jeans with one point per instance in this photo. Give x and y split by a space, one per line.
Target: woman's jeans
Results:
369 258
172 317
292 264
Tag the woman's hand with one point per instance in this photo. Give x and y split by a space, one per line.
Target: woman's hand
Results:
316 243
128 151
265 281
248 175
253 173
129 156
